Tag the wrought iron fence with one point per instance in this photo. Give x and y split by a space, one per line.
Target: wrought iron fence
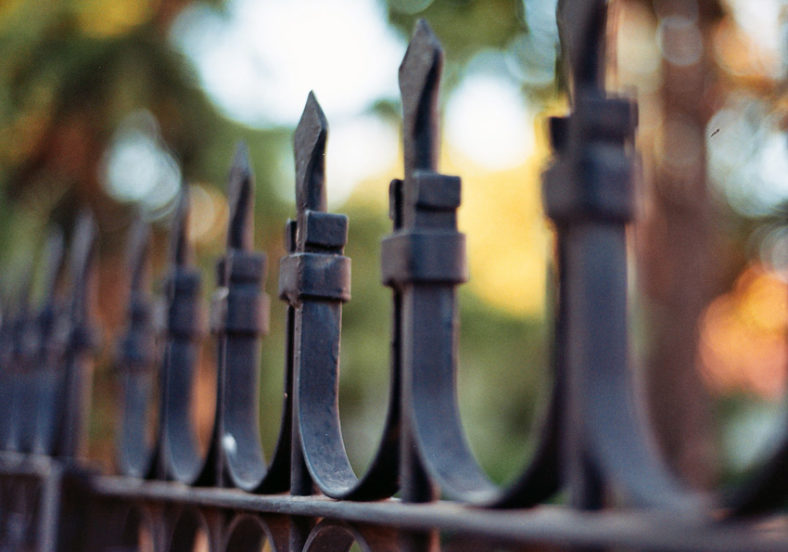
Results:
167 496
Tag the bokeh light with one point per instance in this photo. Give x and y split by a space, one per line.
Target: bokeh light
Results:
258 60
743 345
488 121
137 168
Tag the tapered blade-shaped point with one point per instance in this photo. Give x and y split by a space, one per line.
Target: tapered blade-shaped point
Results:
138 249
423 58
80 261
179 245
240 229
82 245
53 257
309 144
419 78
581 27
25 287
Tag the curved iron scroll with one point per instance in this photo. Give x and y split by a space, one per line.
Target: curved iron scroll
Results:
424 261
136 354
239 317
315 280
176 455
51 344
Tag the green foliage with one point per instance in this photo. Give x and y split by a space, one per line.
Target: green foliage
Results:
65 90
463 26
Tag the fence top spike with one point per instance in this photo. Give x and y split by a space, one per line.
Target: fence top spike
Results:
179 246
53 257
138 249
80 260
581 27
25 288
419 78
309 142
240 229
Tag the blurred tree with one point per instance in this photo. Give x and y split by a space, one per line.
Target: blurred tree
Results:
74 71
692 245
70 75
678 256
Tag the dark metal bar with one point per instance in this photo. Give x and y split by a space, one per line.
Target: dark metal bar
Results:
16 367
77 361
315 279
425 260
23 357
634 529
136 357
301 483
239 318
588 193
177 455
51 333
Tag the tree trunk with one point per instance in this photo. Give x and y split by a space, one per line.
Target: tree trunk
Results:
676 243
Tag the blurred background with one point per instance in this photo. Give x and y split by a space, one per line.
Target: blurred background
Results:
111 103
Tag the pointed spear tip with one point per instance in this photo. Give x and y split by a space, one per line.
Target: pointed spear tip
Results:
309 142
85 222
25 286
82 247
240 190
53 257
54 242
423 29
312 122
241 158
311 100
423 53
84 235
419 72
419 82
138 248
178 230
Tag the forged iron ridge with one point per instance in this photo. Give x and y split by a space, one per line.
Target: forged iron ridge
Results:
240 192
309 145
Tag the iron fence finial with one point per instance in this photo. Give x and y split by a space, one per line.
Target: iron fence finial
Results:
419 79
179 246
138 249
80 262
309 143
53 255
240 230
581 27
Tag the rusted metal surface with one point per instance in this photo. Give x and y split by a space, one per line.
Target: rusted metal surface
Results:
169 496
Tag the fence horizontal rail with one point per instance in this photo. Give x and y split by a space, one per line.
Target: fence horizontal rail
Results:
548 525
591 445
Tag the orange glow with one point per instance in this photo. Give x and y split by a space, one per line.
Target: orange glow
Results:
208 214
743 344
740 57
